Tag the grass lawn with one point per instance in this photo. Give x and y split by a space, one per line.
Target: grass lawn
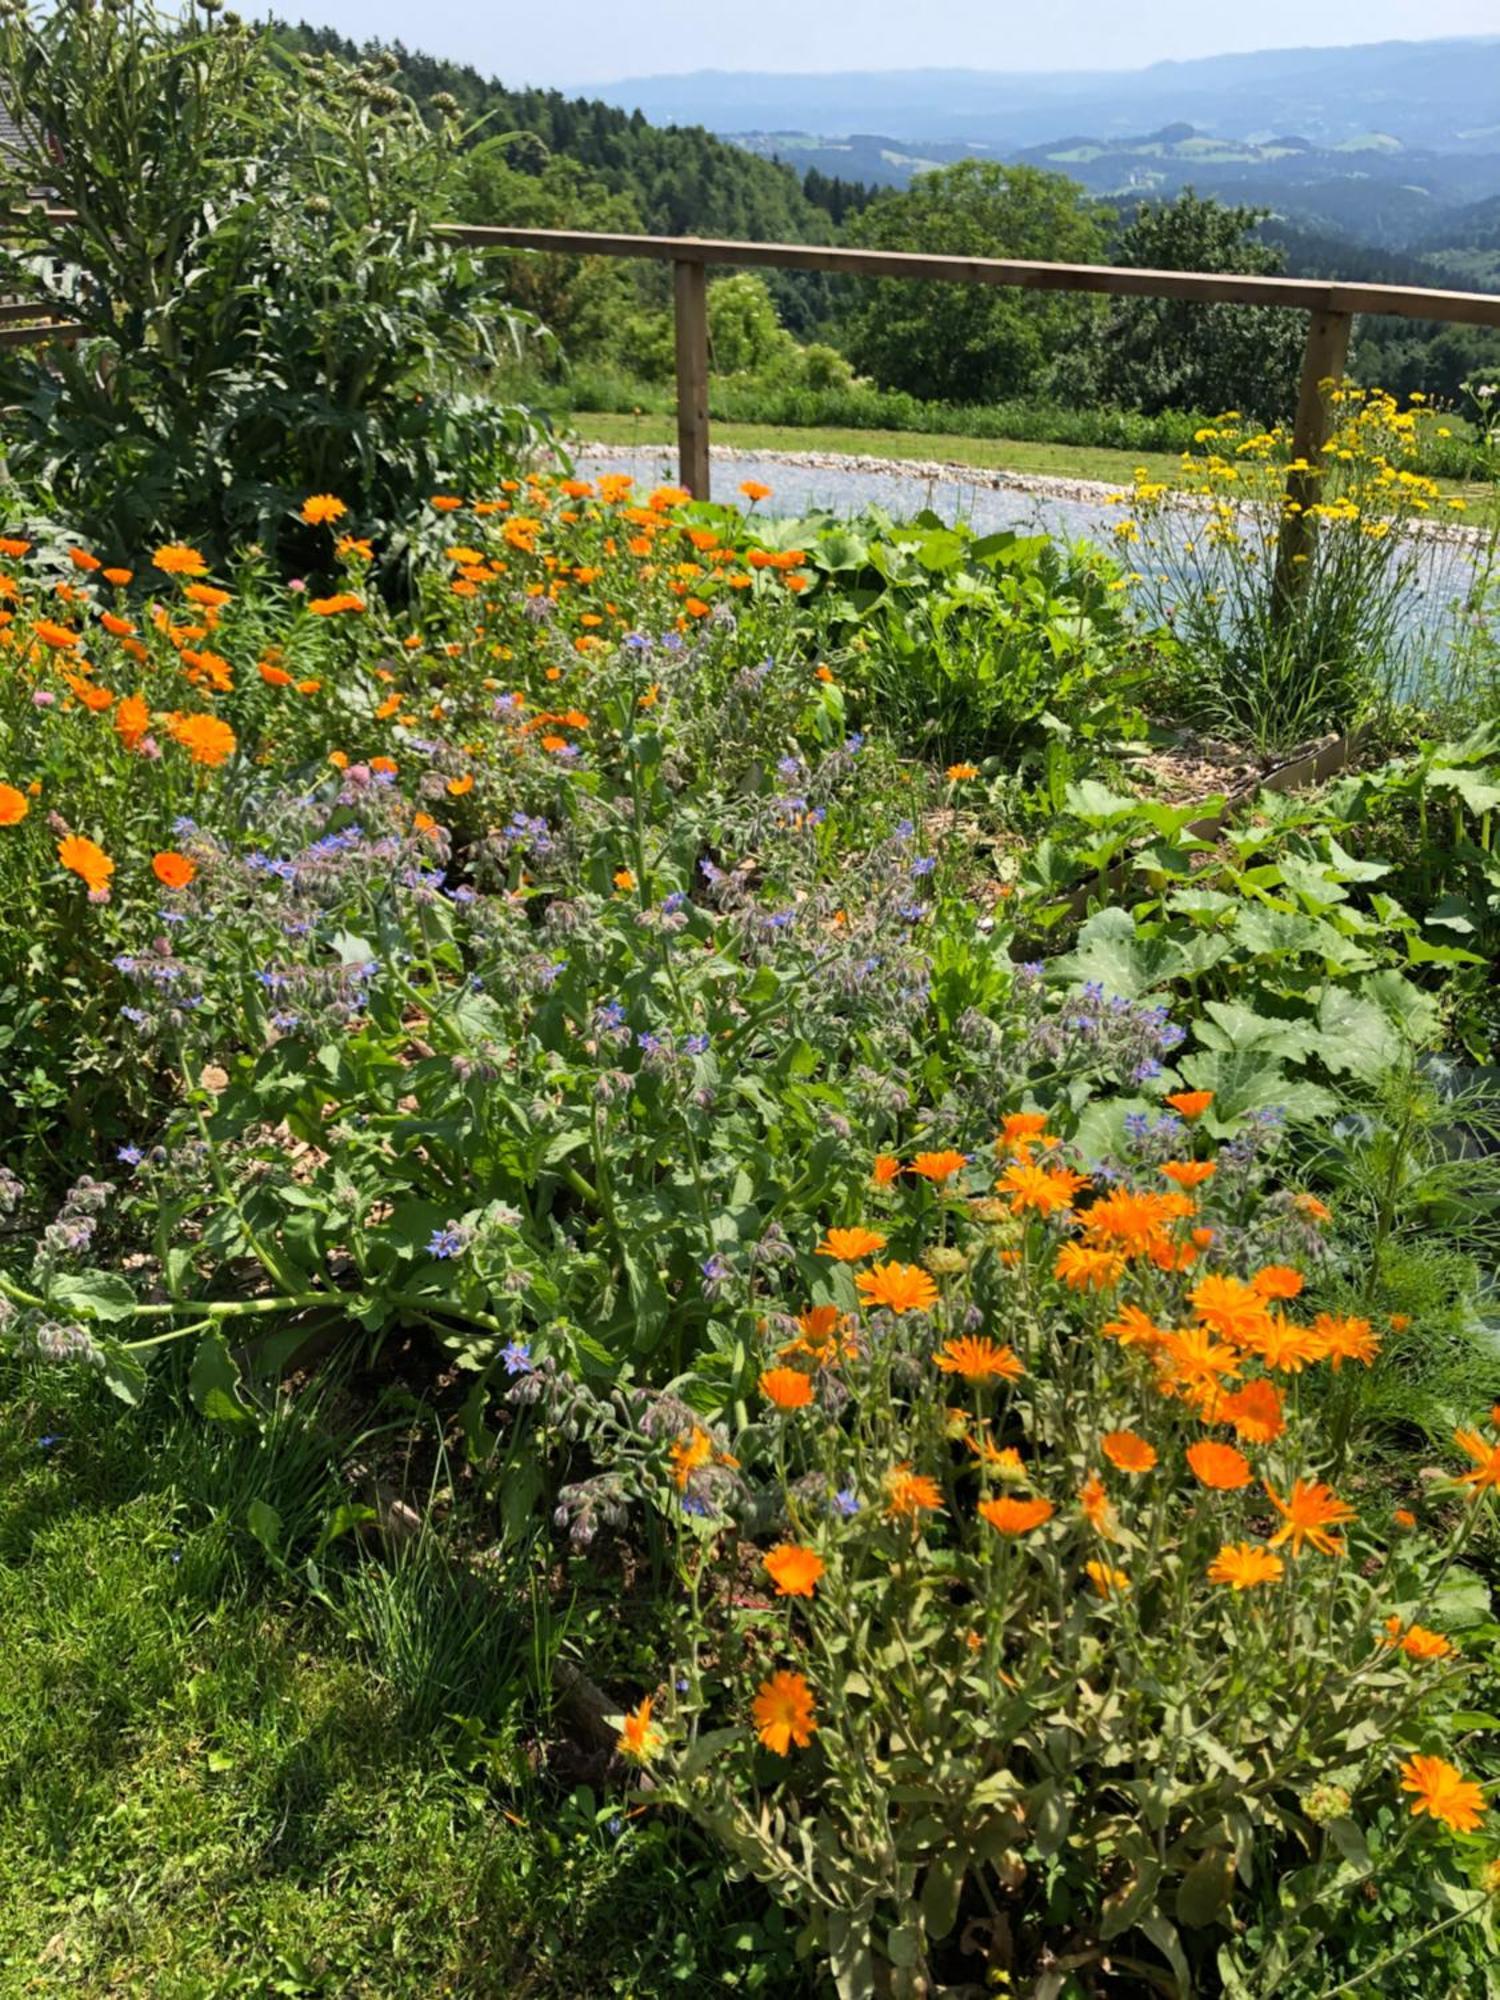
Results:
212 1786
1054 461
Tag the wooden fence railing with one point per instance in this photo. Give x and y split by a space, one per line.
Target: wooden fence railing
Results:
1330 307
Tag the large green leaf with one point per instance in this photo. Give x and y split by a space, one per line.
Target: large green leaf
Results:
1110 953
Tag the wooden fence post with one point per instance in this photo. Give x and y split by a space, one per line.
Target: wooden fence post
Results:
690 287
1323 359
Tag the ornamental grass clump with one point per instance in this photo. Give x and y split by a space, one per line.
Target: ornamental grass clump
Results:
1297 617
1059 1636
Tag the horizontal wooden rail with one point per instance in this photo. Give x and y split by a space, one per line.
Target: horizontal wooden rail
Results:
1114 280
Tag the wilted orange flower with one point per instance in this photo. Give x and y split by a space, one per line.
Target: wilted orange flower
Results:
1128 1451
1229 1306
1047 1190
1242 1566
1010 1516
176 559
688 1453
979 1359
640 1738
1108 1582
885 1169
1189 1173
794 1569
321 507
909 1493
938 1167
1191 1103
957 773
849 1245
1276 1281
1443 1792
1255 1411
173 870
13 806
1098 1508
1307 1514
1486 1459
1346 1339
1313 1209
205 738
902 1288
87 859
787 1388
1086 1270
1219 1465
784 1712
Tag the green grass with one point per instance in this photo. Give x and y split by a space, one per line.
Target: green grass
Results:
212 1786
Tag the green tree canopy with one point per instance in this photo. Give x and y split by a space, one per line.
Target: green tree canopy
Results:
1169 354
971 343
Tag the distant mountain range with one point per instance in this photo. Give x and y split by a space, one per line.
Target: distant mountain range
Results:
1384 142
1442 96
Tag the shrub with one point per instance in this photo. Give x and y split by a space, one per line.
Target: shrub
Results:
267 308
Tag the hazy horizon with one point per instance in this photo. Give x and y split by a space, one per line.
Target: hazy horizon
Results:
680 38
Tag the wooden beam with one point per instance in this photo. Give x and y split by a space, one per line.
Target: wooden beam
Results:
37 336
690 289
1323 362
1304 294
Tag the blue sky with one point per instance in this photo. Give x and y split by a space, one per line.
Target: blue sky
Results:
590 41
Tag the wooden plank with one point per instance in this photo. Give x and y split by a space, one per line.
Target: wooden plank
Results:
1323 362
690 290
14 310
38 336
1305 294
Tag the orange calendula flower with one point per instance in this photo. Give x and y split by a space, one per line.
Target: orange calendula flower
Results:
1128 1451
1255 1411
117 627
1085 1270
1189 1173
1108 1582
132 721
86 859
886 1169
785 1713
1345 1338
1196 1362
794 1570
1133 1221
10 546
787 1388
173 870
177 559
61 638
1313 1209
623 879
902 1288
118 577
1044 1190
850 1245
205 738
1404 1518
1219 1465
1486 1459
445 503
688 1453
1285 1346
909 1493
957 774
1307 1514
1243 1566
979 1359
753 490
316 510
1098 1508
1010 1516
1191 1103
938 1167
1134 1328
1418 1642
330 607
1020 1131
460 787
1233 1309
13 806
1276 1281
640 1738
1442 1791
